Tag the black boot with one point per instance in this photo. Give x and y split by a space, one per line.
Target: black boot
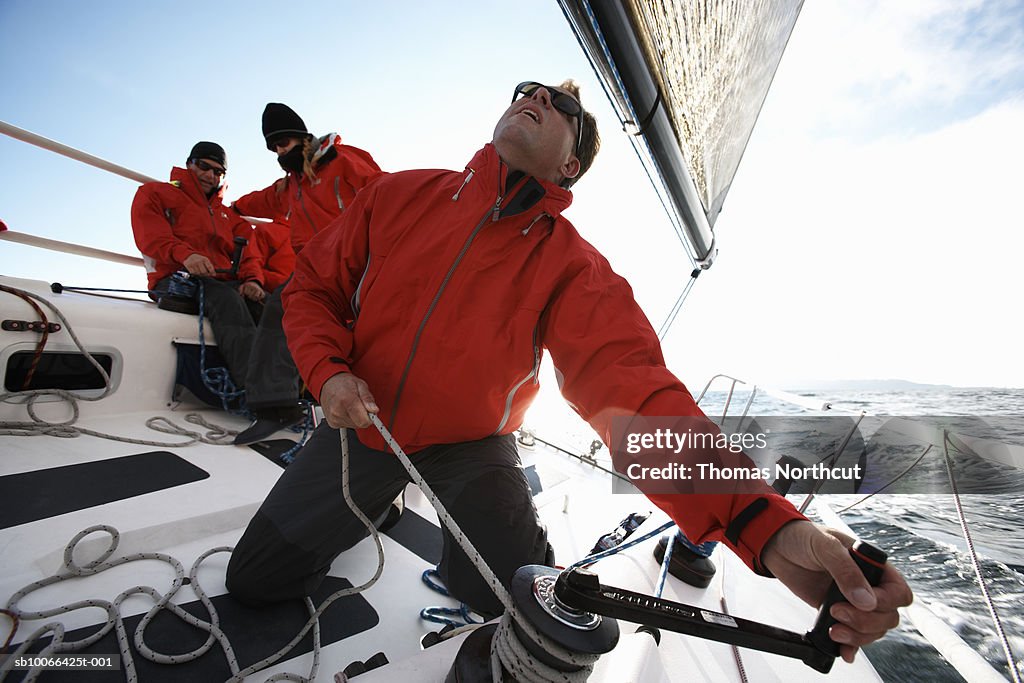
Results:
686 565
269 421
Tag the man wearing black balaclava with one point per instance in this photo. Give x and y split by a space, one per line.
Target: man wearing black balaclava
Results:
322 178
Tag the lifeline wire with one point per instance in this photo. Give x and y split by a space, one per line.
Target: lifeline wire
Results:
893 481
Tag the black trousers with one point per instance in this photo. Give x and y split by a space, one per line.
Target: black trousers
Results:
305 523
252 341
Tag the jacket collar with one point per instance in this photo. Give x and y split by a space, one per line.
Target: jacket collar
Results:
186 180
526 194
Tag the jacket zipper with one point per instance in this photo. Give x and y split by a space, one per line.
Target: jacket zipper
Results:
526 231
337 193
356 302
312 225
213 223
515 389
469 176
433 304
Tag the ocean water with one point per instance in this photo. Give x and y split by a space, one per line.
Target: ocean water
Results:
923 537
922 533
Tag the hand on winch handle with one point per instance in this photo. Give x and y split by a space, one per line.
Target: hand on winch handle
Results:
197 264
807 558
346 401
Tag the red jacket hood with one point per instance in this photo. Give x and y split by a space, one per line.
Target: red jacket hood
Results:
189 184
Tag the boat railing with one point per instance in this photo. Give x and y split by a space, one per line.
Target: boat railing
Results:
42 142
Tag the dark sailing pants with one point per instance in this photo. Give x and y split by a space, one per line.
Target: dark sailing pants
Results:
256 354
272 378
304 523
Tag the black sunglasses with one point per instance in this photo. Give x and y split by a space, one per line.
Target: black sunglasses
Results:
563 102
203 166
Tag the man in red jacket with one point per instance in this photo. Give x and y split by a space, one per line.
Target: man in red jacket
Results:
446 355
183 225
322 178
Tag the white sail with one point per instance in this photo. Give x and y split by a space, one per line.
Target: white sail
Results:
688 79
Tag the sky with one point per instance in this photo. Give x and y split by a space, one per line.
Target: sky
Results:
871 232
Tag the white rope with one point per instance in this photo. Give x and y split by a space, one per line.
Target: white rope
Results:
505 646
66 429
70 570
740 668
509 652
582 661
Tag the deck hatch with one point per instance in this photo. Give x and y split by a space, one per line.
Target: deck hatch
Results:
56 370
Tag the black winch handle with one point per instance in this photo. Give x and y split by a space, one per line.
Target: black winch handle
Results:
871 561
583 590
236 258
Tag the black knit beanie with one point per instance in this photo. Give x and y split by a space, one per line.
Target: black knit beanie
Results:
280 120
209 150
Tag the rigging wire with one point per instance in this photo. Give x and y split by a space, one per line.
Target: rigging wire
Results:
832 460
672 314
975 562
890 483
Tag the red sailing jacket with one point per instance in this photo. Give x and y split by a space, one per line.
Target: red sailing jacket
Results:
174 220
309 205
442 290
277 258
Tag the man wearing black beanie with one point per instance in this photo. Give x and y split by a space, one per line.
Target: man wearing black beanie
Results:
183 225
322 178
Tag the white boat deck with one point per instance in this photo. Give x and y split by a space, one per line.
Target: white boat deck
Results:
185 520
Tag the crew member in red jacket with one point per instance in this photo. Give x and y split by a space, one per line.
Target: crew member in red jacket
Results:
183 225
322 178
430 303
277 257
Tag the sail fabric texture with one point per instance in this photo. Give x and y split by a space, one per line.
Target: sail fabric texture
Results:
713 62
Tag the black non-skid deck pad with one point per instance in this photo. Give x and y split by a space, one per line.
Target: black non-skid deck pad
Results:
31 496
418 535
255 633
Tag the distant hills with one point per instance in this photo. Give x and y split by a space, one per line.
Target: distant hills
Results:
862 385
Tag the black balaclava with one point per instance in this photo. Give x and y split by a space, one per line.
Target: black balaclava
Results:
293 160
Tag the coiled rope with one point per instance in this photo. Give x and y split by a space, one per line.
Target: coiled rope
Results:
70 570
67 429
506 651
